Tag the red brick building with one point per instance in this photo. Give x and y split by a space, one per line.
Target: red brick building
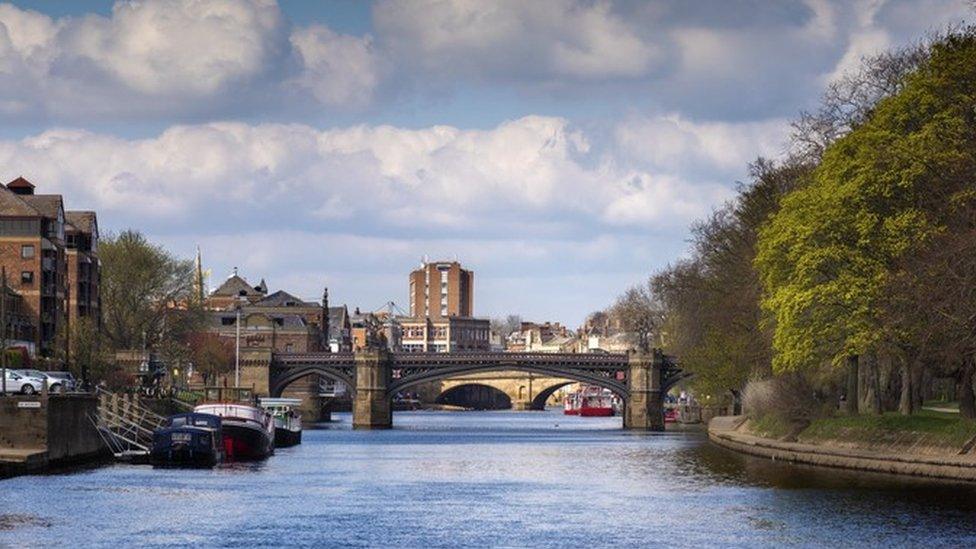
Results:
50 256
33 251
441 289
441 309
81 238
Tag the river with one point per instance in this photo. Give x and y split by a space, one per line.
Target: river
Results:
475 479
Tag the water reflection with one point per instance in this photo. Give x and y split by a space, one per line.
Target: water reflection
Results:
488 479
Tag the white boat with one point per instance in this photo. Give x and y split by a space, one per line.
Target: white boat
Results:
248 431
287 420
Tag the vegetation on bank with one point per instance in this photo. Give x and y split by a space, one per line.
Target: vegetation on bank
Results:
842 278
150 301
925 428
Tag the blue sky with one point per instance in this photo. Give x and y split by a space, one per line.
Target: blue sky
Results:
559 148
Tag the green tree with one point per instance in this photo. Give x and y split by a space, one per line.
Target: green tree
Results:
713 322
882 191
147 293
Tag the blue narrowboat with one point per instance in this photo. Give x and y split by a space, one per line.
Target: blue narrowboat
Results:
191 439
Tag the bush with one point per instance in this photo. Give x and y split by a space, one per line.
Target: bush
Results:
788 397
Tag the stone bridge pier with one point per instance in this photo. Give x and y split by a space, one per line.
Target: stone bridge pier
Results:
372 406
644 407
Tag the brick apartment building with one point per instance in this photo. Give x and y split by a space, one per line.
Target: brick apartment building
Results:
49 255
441 289
81 238
441 311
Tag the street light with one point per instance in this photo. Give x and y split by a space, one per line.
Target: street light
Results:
237 350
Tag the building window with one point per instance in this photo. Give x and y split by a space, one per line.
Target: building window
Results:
290 348
27 251
27 277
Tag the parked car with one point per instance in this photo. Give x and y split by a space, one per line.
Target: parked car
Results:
20 383
61 379
36 374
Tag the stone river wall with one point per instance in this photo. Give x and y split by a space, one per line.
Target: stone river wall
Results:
729 432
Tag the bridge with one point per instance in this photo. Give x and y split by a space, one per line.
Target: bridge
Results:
376 376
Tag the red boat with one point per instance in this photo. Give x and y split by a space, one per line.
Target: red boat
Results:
670 415
248 431
590 401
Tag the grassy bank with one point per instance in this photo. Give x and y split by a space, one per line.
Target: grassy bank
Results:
926 429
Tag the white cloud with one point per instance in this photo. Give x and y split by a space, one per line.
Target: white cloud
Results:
339 69
674 144
174 56
529 172
561 38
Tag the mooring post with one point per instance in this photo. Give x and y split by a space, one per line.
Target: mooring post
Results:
645 407
372 408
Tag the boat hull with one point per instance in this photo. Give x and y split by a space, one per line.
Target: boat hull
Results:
186 448
596 412
246 442
285 437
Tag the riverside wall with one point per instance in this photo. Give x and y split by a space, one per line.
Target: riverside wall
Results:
37 432
728 432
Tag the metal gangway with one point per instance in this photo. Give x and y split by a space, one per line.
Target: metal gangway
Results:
125 425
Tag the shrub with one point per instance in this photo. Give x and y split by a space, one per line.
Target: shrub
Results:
788 397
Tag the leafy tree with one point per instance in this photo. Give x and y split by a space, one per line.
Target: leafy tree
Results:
211 355
87 351
881 192
640 316
146 292
711 301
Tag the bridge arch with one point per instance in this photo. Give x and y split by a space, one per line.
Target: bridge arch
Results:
540 399
281 383
478 396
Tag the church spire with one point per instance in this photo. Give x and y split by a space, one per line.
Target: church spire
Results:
198 276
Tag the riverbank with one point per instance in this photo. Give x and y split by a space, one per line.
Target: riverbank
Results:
40 432
904 453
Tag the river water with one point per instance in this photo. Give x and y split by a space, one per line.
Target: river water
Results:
477 479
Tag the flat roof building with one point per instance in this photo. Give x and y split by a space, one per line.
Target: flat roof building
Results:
441 289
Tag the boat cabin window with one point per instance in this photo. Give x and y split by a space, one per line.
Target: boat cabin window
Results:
194 421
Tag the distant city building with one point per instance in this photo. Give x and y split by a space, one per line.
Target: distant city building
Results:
548 337
441 311
603 331
51 261
234 292
280 321
441 289
445 335
340 330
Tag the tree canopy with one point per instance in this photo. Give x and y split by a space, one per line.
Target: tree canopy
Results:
147 293
882 190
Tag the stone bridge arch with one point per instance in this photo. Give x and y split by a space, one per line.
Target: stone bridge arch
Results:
523 388
475 395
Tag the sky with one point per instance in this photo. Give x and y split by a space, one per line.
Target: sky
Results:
558 148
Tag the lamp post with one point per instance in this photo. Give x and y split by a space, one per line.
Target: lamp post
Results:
237 349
